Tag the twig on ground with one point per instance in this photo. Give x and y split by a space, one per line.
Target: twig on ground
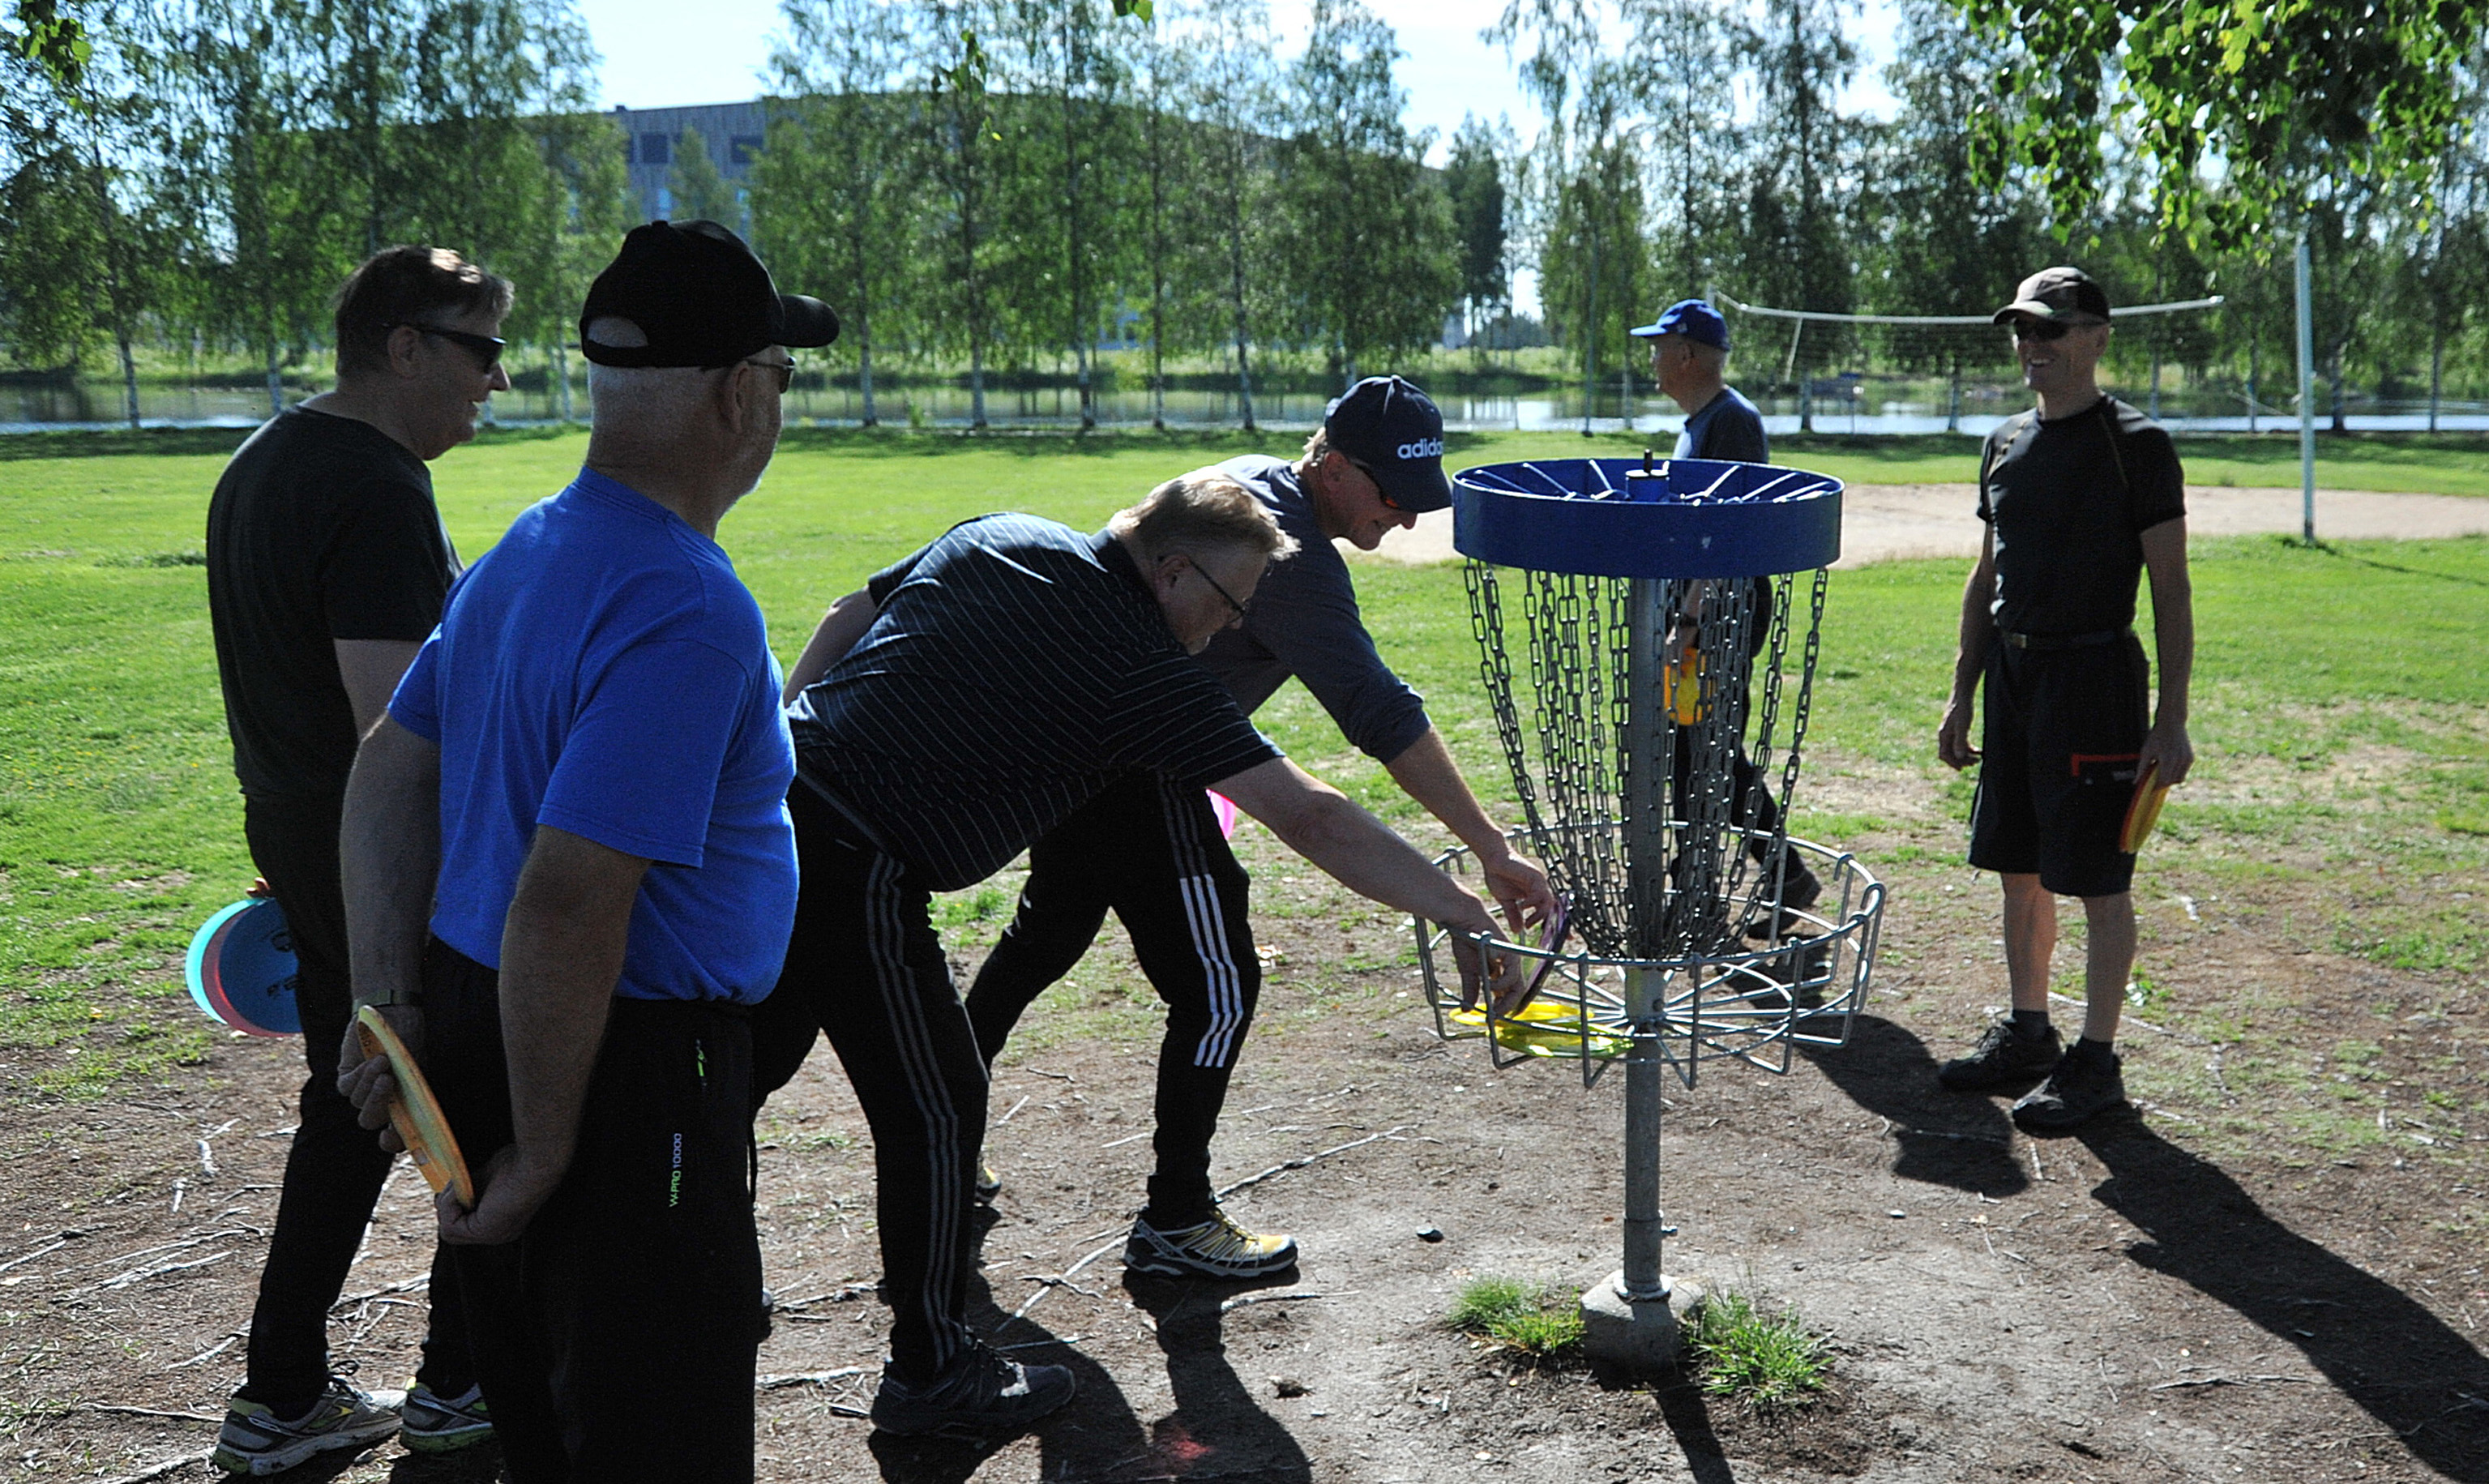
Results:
211 1351
161 1270
2225 1380
401 1286
1047 1286
1055 1282
1014 1108
1127 1139
1231 1306
1052 1339
29 1257
790 1379
1059 1076
151 1412
158 1471
207 1157
180 1187
1300 1163
791 1308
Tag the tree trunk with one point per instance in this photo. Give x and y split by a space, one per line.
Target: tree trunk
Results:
2334 374
864 367
275 380
2436 368
1236 297
560 360
130 373
976 382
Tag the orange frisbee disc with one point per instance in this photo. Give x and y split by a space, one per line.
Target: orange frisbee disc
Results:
414 1112
2143 810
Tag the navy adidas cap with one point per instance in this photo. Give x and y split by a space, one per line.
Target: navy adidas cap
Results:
1387 427
1691 318
701 299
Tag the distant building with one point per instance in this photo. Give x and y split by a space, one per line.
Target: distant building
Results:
734 132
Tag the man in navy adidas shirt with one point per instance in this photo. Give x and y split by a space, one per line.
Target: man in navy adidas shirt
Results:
584 777
970 699
1153 855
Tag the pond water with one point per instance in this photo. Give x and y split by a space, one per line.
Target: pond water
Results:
1836 408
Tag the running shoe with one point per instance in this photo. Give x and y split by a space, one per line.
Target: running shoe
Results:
988 1183
1216 1248
257 1442
979 1395
2002 1059
2087 1083
433 1423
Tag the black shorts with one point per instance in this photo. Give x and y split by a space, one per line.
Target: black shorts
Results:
2063 730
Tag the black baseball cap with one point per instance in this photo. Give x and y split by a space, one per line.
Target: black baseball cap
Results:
2066 294
700 298
1387 427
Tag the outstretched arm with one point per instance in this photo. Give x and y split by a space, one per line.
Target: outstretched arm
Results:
2173 637
1425 771
838 632
1323 825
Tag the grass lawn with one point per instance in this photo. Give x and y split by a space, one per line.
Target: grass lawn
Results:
2340 711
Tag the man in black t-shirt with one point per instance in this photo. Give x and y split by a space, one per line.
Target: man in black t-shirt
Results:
327 567
2081 496
969 701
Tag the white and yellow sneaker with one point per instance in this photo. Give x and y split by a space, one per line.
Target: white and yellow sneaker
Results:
1216 1248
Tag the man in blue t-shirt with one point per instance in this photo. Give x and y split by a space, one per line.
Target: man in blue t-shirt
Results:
1689 353
584 775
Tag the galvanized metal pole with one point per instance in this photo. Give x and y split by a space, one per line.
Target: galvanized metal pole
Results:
1646 887
2307 397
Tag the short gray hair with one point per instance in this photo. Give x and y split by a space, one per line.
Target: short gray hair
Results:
1204 508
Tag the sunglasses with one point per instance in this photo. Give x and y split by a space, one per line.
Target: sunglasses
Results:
486 350
785 370
1389 503
2042 330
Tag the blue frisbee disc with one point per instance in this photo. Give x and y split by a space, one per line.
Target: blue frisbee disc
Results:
241 969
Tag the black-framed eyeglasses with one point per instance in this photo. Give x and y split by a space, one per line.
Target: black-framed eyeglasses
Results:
486 350
1216 587
2044 332
785 370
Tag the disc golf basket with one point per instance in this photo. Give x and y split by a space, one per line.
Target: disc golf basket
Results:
1648 634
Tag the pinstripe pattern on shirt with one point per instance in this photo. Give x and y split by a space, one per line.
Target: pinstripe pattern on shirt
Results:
1016 666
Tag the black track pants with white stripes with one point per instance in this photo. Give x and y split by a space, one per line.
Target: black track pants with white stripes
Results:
865 966
1150 850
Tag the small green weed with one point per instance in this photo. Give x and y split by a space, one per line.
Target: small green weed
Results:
1542 1323
1762 1358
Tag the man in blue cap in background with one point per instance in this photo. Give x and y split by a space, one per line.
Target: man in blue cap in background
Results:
1689 353
1155 855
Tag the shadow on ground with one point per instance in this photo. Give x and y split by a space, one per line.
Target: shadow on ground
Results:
2377 1345
1944 1138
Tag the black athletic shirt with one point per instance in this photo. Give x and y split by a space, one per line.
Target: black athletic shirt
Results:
1016 668
2068 500
322 529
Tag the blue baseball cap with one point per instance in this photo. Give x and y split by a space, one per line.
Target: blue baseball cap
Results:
1691 318
1387 427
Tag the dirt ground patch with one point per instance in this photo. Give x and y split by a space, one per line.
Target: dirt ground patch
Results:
2252 1277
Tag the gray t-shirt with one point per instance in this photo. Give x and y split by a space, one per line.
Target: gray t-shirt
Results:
1304 622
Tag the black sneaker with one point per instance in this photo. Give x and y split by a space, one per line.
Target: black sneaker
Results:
433 1423
2083 1086
2002 1059
979 1395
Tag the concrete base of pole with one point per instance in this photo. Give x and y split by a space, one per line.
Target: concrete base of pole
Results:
1638 1337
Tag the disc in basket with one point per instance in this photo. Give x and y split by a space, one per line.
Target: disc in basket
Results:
2144 810
416 1113
241 969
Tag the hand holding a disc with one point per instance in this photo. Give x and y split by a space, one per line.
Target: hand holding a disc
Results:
365 1079
2166 751
513 1189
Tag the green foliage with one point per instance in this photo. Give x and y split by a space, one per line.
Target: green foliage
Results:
2240 111
699 190
1542 1323
1763 1356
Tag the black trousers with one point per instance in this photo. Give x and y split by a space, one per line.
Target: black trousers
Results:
865 966
1150 850
334 1170
616 1337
